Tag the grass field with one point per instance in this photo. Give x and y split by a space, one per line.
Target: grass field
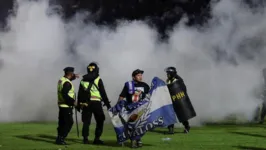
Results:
41 136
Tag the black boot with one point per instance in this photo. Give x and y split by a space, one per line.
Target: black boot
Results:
186 125
187 130
170 130
57 141
85 140
97 141
60 140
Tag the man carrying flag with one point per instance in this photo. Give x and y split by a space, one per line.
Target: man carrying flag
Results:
144 109
133 92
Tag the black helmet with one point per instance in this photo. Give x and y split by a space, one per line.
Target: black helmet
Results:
93 67
170 70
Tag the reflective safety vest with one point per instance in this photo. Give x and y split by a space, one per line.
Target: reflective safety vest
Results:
94 91
71 93
169 81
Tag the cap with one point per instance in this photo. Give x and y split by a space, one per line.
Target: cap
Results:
137 71
69 69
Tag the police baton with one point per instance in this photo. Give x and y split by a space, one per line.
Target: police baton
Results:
76 115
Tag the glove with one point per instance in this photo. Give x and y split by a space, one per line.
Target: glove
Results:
108 106
77 108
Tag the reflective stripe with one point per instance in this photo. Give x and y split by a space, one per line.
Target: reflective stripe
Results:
169 81
64 105
95 98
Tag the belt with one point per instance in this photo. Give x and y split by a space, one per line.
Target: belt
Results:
95 98
65 106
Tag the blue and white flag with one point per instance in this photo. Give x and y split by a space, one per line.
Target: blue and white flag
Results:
134 120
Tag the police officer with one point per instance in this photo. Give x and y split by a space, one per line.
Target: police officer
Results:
66 101
134 91
262 110
183 107
90 96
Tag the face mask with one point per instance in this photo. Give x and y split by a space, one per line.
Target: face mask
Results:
73 77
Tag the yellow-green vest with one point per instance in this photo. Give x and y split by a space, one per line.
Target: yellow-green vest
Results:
169 81
94 92
71 93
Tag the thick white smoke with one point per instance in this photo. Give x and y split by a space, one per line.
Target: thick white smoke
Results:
36 49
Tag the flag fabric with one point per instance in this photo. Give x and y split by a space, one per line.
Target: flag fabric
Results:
134 120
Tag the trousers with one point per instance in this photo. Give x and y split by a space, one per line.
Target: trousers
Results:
185 124
263 111
95 108
65 121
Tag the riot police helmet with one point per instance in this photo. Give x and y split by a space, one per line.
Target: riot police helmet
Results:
171 70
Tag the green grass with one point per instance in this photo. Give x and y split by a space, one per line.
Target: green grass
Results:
41 136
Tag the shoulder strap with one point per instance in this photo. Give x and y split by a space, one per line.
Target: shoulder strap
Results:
95 84
130 86
90 86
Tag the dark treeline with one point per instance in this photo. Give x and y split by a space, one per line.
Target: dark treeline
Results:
161 14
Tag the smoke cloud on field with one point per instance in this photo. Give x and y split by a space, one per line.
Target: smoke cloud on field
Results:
220 63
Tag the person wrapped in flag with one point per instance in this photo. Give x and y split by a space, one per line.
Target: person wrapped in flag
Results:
132 120
133 92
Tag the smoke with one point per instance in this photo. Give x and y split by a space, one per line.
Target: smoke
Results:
39 45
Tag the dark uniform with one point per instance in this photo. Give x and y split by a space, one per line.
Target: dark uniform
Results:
181 102
262 110
90 96
66 100
134 91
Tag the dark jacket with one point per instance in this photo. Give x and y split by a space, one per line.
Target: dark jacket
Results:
145 90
